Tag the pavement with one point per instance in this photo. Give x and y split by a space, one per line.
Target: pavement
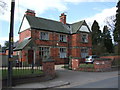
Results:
68 79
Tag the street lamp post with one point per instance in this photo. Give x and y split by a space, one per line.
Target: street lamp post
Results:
10 54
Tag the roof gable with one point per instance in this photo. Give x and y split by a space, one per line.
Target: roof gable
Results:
80 26
24 25
51 25
84 28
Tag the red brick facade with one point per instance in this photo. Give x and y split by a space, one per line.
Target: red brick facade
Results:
72 45
24 34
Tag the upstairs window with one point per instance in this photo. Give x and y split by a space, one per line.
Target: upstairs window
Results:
84 52
63 38
84 38
63 53
44 36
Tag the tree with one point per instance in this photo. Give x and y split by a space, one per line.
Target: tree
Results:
117 24
97 44
107 40
110 21
96 33
117 27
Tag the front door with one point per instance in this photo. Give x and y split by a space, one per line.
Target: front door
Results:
30 56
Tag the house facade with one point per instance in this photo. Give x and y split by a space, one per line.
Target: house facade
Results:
40 38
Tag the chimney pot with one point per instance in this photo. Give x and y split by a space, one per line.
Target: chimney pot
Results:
63 18
30 12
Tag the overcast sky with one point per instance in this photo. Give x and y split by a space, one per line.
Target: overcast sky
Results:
76 10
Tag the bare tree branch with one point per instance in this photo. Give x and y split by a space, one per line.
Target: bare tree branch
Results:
3 6
110 21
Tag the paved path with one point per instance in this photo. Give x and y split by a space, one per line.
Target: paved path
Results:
75 78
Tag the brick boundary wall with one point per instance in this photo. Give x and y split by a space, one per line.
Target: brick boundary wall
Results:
100 65
111 57
49 69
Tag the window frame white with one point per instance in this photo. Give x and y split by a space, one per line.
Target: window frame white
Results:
62 38
44 51
44 36
84 52
84 37
63 52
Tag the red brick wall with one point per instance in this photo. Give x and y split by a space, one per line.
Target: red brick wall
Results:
102 65
24 55
14 53
76 42
53 40
49 68
112 57
24 34
75 64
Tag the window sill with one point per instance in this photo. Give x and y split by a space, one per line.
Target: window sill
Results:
43 40
63 41
84 42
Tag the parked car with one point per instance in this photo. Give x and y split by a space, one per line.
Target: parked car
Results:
90 58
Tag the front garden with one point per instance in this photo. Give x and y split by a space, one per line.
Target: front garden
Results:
99 65
17 73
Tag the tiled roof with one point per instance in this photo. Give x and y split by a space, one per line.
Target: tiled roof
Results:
46 24
21 45
52 25
76 26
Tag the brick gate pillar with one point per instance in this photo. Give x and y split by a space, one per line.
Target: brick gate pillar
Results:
75 64
49 67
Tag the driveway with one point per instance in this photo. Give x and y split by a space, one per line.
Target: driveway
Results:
75 78
80 78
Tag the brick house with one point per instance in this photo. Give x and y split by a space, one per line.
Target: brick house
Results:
40 38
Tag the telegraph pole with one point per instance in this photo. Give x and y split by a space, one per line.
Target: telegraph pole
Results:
10 54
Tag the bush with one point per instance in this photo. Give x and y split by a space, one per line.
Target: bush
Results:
86 66
116 62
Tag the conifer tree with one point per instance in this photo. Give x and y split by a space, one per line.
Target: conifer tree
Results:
96 33
117 24
117 28
107 40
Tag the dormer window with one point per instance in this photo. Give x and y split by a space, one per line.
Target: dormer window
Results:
63 38
84 38
44 36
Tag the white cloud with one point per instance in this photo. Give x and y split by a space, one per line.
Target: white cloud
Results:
77 1
100 17
40 6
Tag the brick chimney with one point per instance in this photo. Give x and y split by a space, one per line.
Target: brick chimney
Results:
30 12
63 18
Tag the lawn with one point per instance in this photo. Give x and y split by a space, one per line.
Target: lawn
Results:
86 66
20 72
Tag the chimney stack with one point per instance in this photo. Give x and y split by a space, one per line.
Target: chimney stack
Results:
63 18
30 12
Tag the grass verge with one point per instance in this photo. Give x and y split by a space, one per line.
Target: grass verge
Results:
20 72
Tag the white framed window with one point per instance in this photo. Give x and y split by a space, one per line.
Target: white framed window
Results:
44 52
84 52
84 38
44 36
63 38
63 53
